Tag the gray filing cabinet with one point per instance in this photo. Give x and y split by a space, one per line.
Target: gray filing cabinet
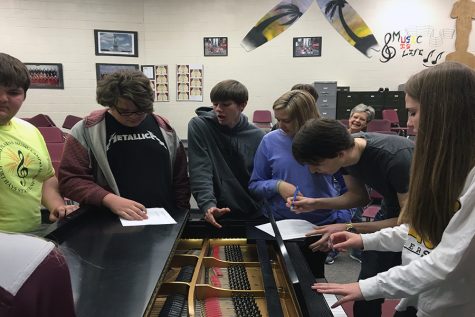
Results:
326 98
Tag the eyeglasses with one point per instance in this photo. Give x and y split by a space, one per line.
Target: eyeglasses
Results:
129 113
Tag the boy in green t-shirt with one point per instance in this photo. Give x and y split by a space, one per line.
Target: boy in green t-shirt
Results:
26 175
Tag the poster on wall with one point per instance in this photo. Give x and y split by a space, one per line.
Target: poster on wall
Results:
307 46
189 82
162 93
116 43
102 69
158 75
46 75
215 46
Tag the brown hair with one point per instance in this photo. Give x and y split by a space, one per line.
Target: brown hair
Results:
129 84
299 105
13 73
308 88
229 90
320 139
445 146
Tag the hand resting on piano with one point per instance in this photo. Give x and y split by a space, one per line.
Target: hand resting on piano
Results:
213 213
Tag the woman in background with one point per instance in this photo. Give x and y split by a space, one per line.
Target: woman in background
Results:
360 116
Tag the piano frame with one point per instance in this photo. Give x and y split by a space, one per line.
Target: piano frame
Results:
118 271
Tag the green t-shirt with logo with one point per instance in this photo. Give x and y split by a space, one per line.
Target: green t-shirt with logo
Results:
24 166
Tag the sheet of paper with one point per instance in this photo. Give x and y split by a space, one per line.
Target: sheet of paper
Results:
156 216
289 228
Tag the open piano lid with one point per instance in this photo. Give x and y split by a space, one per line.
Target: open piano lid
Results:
301 279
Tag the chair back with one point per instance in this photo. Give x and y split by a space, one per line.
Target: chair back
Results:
41 120
70 121
56 153
345 122
391 116
262 119
52 134
378 125
262 116
375 195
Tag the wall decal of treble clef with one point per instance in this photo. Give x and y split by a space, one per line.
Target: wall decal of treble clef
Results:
22 170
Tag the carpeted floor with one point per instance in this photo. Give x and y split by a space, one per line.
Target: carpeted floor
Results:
346 270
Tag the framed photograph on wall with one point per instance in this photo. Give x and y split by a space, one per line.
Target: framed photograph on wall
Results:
215 46
149 71
307 46
116 43
46 75
104 69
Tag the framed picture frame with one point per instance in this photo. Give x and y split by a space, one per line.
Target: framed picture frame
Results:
149 71
116 43
104 69
215 46
307 46
46 75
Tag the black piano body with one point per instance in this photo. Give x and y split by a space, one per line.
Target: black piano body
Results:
130 271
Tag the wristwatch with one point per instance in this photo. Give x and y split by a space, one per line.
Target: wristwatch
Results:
351 228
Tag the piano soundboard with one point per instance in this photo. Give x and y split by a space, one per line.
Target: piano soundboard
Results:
223 277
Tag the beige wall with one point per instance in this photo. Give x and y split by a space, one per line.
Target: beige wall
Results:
171 32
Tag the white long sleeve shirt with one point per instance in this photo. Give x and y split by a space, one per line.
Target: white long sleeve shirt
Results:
438 281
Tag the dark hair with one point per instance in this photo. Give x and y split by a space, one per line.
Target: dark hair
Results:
445 147
229 90
320 139
132 85
308 88
13 73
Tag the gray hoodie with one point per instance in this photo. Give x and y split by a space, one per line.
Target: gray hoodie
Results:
221 162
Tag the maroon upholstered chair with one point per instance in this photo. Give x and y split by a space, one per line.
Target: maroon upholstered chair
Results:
41 120
345 122
52 134
392 116
70 121
378 125
54 139
56 153
372 209
262 119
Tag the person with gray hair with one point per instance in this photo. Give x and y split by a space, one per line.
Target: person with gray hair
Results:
360 116
125 157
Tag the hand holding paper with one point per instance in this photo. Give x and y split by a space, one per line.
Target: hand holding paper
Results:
156 216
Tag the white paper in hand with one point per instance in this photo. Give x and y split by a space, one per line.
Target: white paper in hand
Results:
156 216
289 228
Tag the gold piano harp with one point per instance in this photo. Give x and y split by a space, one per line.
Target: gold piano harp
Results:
209 290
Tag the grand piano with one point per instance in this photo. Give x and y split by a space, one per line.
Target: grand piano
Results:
186 269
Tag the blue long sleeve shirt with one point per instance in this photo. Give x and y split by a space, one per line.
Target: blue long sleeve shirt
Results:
273 162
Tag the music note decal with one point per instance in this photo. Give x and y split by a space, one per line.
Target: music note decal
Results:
431 59
22 171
